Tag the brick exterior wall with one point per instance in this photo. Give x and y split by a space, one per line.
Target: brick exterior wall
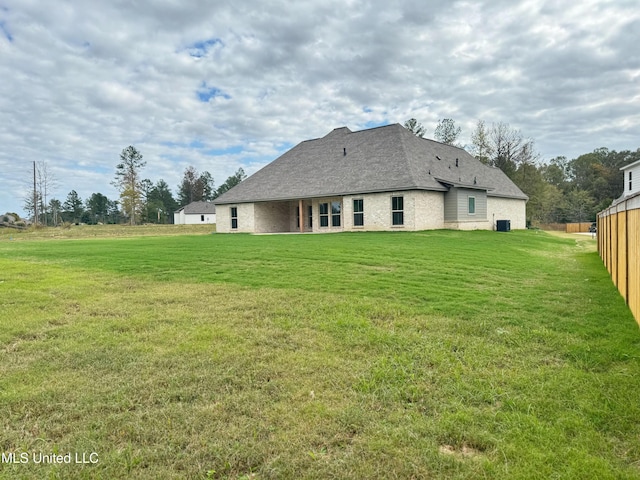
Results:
507 209
246 218
423 210
467 225
377 212
271 217
428 210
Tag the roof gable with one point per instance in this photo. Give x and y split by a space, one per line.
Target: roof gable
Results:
388 158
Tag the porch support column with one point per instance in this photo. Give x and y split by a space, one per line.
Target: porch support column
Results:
301 212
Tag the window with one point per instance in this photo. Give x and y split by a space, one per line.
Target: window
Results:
298 217
234 218
324 214
202 218
630 182
336 207
397 210
472 205
358 213
310 216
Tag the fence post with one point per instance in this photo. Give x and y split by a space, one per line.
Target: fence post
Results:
610 245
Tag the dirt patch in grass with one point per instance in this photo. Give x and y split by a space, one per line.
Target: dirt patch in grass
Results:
586 242
462 452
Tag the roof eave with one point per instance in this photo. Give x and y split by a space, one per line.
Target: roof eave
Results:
332 194
504 195
464 185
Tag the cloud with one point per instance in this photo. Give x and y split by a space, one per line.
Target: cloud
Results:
219 85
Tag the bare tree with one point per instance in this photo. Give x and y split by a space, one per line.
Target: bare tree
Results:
55 207
480 143
447 132
506 144
46 183
510 148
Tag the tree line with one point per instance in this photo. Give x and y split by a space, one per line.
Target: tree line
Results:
560 190
140 200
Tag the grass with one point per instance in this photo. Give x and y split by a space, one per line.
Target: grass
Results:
379 355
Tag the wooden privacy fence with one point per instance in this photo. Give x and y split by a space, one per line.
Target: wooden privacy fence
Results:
619 248
558 227
565 227
578 227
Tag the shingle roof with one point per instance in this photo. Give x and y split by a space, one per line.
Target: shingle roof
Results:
380 159
198 208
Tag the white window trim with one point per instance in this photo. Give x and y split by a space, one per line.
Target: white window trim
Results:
233 217
360 213
469 197
333 215
327 215
401 225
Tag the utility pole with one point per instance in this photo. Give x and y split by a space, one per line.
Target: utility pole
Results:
35 197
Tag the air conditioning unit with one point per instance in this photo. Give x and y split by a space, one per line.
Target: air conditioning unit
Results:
503 225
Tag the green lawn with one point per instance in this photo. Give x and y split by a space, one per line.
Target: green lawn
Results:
375 355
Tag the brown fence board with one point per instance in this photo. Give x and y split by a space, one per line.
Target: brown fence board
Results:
614 248
605 239
599 223
609 250
633 287
621 247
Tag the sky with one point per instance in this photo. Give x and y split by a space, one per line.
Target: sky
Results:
228 84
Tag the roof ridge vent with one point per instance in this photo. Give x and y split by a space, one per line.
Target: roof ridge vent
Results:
338 132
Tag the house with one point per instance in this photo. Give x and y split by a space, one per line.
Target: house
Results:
383 178
631 181
195 213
